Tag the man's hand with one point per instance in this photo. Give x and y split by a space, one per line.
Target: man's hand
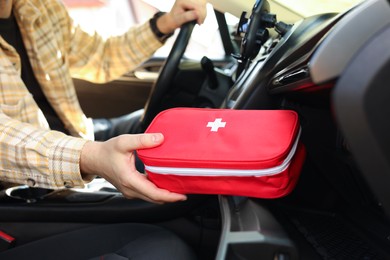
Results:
182 11
114 160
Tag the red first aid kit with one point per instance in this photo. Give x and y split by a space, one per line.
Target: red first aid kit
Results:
254 153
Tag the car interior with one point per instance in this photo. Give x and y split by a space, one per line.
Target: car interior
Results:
331 68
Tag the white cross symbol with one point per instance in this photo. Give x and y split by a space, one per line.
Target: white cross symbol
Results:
216 124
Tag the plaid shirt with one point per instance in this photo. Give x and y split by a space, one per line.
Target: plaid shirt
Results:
58 50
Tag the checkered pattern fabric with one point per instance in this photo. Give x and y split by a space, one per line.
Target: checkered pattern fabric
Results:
58 50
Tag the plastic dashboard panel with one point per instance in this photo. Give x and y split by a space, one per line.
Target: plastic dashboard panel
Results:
346 38
361 105
253 88
250 231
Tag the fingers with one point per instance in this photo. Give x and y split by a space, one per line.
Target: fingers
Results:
197 11
148 140
142 188
130 143
183 11
186 11
188 17
118 168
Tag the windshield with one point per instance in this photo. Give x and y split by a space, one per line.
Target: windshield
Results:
307 8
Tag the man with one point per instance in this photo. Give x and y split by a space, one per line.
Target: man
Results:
40 51
40 57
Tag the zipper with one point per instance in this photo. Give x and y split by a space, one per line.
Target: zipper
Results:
227 172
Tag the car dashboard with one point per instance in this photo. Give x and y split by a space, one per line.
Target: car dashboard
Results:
300 70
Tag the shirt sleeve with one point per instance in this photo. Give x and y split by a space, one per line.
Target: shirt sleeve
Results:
101 60
38 157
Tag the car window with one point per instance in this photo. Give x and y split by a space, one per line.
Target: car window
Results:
113 17
105 17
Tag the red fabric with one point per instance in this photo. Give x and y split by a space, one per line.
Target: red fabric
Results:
268 187
249 140
6 237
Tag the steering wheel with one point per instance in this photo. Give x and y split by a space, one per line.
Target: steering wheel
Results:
166 75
